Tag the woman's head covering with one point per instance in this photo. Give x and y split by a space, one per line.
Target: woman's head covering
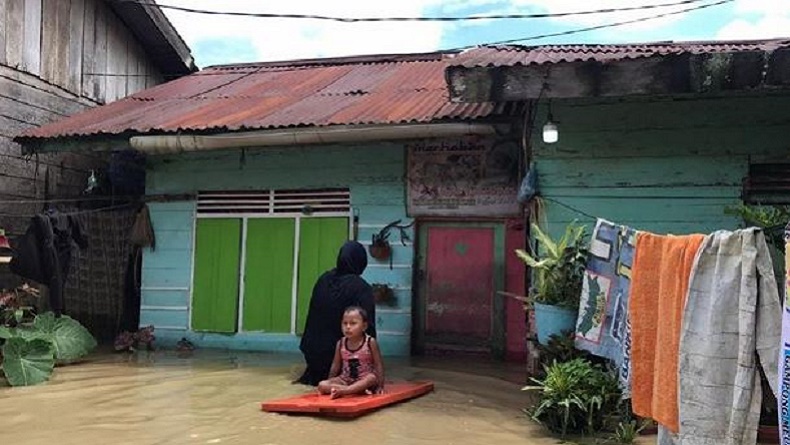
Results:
352 259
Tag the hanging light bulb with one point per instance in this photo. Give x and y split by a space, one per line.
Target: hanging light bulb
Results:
551 133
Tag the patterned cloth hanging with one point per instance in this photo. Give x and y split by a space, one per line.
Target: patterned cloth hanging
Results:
602 326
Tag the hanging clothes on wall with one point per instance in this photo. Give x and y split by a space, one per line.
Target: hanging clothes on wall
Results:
44 252
732 318
659 284
142 235
143 231
602 327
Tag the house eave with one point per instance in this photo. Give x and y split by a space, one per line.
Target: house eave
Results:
158 37
702 74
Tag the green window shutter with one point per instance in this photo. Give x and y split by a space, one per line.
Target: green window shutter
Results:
319 241
216 282
268 275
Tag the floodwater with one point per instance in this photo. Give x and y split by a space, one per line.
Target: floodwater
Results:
212 397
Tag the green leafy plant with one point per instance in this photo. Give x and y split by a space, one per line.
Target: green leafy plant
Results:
32 344
558 266
627 432
574 396
561 348
771 218
27 362
70 340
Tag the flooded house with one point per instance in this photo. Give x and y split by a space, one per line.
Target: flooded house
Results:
257 173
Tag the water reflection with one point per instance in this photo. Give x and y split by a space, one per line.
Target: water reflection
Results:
212 397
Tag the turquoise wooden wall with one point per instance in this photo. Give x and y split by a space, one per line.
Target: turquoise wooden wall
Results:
667 166
374 174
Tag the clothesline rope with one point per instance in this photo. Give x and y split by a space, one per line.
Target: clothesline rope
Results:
68 213
569 207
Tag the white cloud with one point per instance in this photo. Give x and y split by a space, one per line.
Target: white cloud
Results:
763 7
762 19
765 28
285 39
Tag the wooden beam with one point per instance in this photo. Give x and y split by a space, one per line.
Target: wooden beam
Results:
666 75
778 73
74 145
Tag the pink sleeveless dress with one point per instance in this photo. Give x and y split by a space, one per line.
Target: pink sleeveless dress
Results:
356 363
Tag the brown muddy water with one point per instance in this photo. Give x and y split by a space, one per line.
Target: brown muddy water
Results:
212 397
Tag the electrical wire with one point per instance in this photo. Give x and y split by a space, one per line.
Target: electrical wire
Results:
74 212
597 27
477 45
569 207
409 19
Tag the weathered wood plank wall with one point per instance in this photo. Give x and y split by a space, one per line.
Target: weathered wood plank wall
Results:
663 165
78 45
58 58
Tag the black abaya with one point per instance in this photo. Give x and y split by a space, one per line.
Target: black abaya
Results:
334 291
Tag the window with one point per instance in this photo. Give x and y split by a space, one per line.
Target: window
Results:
767 184
259 253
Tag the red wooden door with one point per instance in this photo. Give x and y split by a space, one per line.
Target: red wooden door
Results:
459 285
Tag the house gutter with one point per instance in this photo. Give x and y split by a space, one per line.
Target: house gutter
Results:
168 144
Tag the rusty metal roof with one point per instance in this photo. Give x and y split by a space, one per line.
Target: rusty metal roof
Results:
512 55
321 92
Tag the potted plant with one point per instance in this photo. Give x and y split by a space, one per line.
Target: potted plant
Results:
558 272
575 397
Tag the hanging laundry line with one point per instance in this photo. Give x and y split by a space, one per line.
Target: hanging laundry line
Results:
570 207
722 320
75 199
71 212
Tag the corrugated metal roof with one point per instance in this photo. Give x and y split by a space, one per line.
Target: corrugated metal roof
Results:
512 55
343 91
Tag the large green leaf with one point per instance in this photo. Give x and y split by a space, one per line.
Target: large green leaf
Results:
548 244
6 332
70 339
27 362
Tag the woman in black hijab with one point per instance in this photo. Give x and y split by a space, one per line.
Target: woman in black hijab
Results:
334 291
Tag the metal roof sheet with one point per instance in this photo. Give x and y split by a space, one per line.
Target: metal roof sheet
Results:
512 55
343 91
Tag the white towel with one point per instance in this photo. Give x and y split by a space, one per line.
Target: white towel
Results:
732 317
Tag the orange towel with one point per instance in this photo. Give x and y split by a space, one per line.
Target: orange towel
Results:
659 285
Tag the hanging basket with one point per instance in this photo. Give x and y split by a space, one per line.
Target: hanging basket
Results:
381 251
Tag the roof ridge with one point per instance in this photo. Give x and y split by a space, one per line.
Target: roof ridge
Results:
511 47
343 60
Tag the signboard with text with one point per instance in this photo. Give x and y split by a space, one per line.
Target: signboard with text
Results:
462 177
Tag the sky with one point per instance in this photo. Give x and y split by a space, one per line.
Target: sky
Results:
225 40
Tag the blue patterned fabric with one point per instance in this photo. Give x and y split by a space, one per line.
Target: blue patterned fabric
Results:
602 327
